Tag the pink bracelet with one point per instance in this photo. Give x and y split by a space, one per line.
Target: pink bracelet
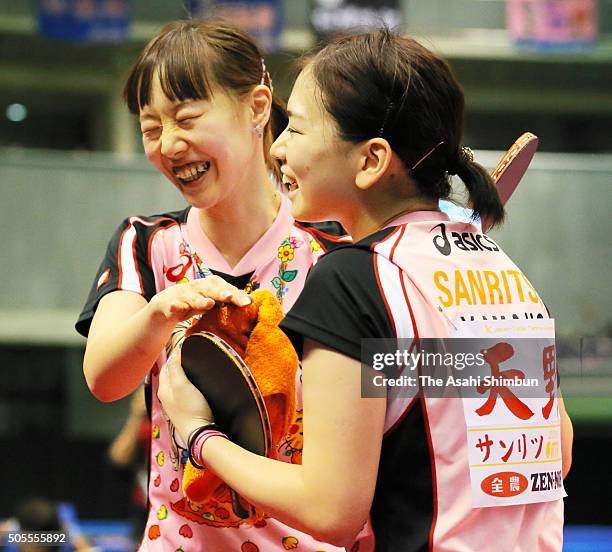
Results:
198 444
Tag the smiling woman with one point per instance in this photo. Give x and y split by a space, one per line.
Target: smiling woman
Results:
207 113
313 151
202 146
201 117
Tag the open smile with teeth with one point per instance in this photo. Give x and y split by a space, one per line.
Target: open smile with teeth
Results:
191 171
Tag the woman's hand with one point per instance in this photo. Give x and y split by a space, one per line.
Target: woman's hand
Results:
182 402
127 333
183 301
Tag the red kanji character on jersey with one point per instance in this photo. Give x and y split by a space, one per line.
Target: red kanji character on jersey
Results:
549 365
494 356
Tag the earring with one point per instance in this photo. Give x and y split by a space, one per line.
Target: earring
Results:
259 130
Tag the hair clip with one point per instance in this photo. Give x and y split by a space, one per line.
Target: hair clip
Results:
264 74
385 119
426 155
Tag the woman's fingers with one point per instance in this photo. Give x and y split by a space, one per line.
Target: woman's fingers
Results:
201 295
218 289
190 304
181 400
173 368
184 301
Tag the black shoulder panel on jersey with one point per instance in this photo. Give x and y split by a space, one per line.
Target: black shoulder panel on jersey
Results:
370 241
341 303
108 274
328 235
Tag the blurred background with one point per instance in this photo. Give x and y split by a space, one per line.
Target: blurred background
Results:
71 167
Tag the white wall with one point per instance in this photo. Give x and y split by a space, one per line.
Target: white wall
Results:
60 209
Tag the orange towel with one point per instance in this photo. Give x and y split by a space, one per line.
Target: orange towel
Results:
254 333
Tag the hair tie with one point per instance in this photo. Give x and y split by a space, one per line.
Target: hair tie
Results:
463 156
466 153
206 431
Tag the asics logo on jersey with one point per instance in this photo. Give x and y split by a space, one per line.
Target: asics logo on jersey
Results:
441 241
466 241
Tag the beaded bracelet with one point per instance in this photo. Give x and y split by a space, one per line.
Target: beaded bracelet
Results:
210 430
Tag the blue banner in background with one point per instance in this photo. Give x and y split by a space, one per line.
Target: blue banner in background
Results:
262 19
329 17
93 21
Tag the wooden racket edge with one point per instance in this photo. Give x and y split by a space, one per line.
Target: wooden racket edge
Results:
519 145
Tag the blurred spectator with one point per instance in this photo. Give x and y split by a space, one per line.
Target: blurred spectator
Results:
44 516
129 450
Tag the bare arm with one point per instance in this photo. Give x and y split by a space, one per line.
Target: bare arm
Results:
127 334
567 438
330 494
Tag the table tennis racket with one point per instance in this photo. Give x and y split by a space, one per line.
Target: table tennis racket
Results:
222 376
512 167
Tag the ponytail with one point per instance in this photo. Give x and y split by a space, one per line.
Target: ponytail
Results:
484 199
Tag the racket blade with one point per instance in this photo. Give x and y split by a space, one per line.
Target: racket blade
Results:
512 167
225 380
